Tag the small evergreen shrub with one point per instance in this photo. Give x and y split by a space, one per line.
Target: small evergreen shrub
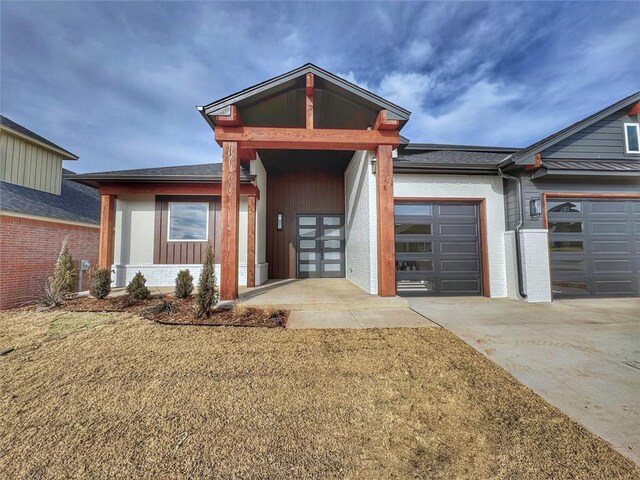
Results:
184 284
65 274
101 282
208 293
137 287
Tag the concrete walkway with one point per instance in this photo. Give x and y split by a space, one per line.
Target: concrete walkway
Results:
583 356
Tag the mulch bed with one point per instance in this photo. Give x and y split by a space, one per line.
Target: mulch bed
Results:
182 312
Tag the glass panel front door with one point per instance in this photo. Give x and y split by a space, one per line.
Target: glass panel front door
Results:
320 246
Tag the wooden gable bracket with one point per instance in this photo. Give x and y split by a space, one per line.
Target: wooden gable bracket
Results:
383 123
309 100
537 163
635 109
232 120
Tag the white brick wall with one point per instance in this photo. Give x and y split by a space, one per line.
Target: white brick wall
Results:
535 260
360 223
467 186
165 275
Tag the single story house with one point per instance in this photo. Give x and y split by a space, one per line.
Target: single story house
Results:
38 211
316 181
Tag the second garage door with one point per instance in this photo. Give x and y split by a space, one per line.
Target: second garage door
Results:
438 249
594 247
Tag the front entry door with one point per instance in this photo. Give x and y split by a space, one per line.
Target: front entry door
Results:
320 245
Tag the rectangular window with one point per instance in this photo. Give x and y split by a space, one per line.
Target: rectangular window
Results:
565 227
632 137
564 206
411 247
567 246
188 222
421 209
413 229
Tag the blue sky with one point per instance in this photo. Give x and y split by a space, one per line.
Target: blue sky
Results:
117 83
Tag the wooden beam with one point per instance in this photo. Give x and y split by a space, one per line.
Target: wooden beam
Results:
251 242
232 120
230 221
383 123
172 189
635 109
537 163
309 100
384 204
107 225
247 154
306 139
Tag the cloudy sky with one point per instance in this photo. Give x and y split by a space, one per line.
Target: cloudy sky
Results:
117 83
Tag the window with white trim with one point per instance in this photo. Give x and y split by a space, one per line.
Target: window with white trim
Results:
188 222
632 137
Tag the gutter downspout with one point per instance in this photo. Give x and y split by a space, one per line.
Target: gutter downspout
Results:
517 229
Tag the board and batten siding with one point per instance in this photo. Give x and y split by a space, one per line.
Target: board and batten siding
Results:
23 163
602 140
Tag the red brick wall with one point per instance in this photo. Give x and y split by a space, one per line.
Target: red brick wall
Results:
28 252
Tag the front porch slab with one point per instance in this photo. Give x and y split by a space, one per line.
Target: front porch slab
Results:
317 294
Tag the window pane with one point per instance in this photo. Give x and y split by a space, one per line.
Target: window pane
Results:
307 256
567 265
332 232
403 247
414 265
332 244
309 267
307 232
564 206
567 246
569 287
307 220
332 267
416 229
415 286
633 142
188 221
307 244
565 227
331 221
413 209
332 255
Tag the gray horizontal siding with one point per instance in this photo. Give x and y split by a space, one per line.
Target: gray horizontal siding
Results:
602 140
510 204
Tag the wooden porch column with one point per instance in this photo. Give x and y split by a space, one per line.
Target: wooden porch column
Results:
230 221
251 242
384 203
107 225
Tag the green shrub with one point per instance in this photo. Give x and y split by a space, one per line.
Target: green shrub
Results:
101 282
137 287
208 293
65 274
184 284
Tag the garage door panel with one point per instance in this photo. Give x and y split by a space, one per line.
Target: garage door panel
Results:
609 228
450 264
603 258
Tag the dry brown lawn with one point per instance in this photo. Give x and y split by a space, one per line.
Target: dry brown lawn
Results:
87 395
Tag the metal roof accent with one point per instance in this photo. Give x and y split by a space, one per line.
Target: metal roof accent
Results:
25 132
461 148
588 167
525 156
222 106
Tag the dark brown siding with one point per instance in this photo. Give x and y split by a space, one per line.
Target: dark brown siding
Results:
308 184
184 252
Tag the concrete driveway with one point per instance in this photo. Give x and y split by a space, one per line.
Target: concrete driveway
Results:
583 356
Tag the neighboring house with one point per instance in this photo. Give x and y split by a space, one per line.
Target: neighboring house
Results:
316 181
38 210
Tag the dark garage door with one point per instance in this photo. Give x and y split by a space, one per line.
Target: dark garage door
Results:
594 247
438 248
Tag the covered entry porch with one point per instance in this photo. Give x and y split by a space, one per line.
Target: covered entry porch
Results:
309 110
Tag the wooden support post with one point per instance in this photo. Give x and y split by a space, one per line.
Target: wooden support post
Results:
384 202
251 242
107 225
309 100
230 221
